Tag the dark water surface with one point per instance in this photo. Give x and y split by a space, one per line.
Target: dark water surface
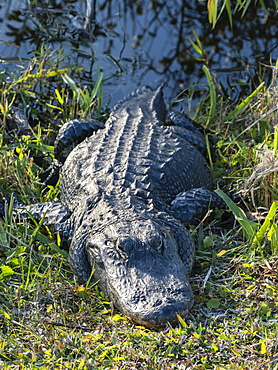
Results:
143 42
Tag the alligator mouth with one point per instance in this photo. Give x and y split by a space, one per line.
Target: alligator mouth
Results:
155 310
160 318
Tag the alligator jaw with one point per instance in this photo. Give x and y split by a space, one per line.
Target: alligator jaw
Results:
159 307
156 323
159 317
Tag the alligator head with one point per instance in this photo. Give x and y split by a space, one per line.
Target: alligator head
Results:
139 266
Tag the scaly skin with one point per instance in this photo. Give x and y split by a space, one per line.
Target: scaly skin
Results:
125 191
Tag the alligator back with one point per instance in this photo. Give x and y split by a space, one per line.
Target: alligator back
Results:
135 151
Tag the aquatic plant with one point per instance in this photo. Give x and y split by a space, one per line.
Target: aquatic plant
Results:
215 9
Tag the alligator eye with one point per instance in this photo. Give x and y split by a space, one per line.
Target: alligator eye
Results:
160 245
109 243
157 243
122 249
94 255
125 244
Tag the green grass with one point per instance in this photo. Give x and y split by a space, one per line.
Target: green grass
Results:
241 6
48 321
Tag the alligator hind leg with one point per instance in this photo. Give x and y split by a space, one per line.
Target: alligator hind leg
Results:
69 136
182 120
193 204
188 129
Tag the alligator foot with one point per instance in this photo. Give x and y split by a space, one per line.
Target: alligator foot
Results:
17 122
193 204
53 215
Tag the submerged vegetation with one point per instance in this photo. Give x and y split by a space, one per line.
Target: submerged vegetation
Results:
48 321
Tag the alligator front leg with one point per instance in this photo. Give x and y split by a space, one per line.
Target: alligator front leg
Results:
193 204
79 257
59 219
54 215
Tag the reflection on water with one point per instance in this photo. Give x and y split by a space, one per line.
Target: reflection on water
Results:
142 42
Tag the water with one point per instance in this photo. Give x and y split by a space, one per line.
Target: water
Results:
143 42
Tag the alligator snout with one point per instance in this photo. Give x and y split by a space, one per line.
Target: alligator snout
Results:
163 310
153 299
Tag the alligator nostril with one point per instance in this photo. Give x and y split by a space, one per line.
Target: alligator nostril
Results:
157 303
170 300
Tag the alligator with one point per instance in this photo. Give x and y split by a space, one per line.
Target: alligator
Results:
128 188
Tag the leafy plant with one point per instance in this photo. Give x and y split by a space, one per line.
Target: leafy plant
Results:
256 234
241 6
84 97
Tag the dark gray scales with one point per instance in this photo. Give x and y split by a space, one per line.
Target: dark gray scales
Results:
127 187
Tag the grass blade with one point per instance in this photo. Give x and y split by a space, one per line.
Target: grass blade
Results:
212 11
267 224
212 94
238 110
248 226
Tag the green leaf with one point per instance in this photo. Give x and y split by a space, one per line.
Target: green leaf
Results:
6 315
212 94
266 226
246 6
213 303
244 103
97 86
59 97
41 148
199 51
54 107
3 236
248 226
264 7
182 322
118 318
198 45
58 250
263 347
214 346
196 335
71 83
221 253
6 271
212 11
229 11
